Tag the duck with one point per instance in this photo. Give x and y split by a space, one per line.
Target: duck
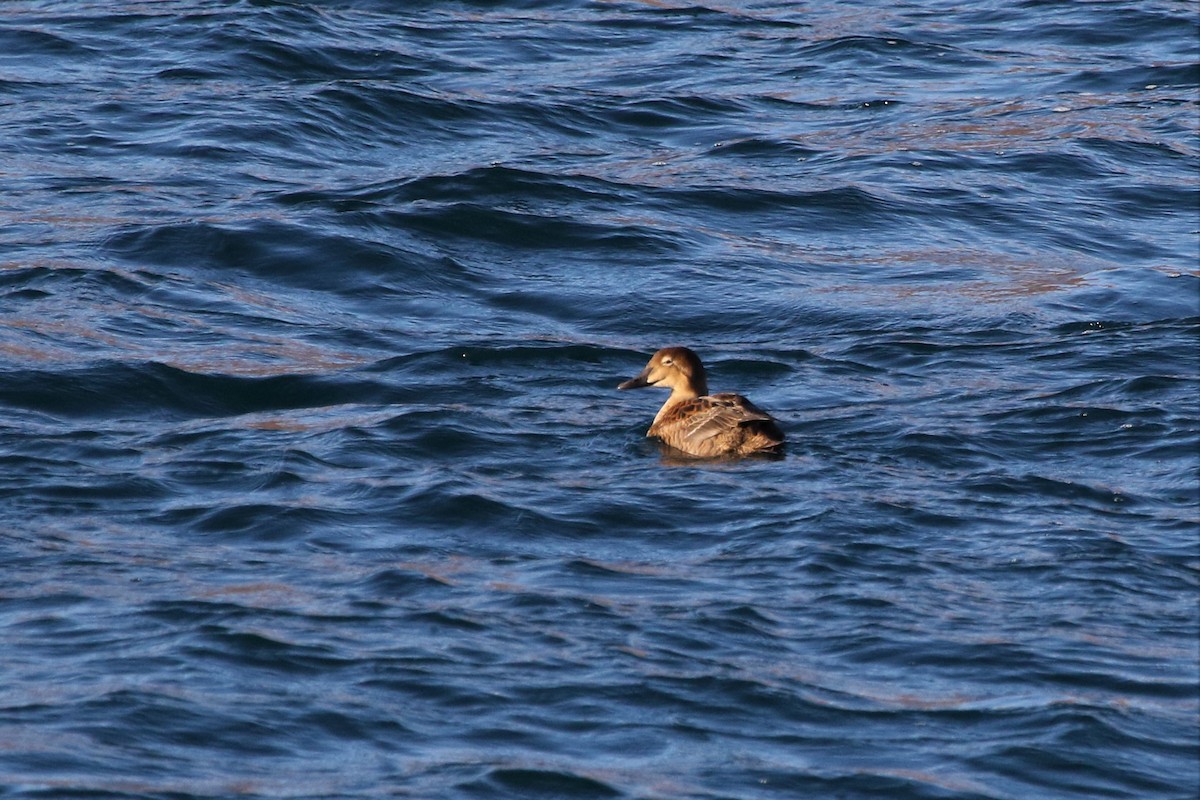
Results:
698 423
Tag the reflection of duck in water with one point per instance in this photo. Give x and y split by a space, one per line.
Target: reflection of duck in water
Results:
699 423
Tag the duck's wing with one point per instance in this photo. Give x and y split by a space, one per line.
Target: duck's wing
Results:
717 414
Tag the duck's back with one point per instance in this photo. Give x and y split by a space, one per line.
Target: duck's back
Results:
718 424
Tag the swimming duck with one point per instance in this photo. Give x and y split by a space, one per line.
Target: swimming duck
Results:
699 423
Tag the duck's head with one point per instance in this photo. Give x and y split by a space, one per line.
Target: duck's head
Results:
674 368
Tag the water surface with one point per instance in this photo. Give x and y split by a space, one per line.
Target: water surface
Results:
315 479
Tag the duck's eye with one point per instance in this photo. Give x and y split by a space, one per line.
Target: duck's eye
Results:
667 362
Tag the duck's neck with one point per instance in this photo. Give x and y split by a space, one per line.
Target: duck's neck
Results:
698 386
681 394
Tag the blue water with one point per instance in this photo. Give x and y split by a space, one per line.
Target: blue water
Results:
316 483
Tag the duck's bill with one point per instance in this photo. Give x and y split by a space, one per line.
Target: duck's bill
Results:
635 383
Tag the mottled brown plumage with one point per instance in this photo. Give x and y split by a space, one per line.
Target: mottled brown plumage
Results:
699 423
